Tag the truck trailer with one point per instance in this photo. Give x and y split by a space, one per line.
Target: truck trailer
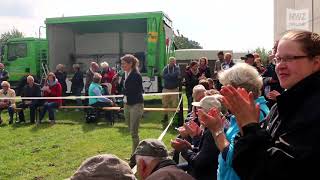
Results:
82 39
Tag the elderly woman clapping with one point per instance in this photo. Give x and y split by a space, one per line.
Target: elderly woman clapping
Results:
243 76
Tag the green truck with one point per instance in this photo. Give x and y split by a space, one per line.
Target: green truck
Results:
82 39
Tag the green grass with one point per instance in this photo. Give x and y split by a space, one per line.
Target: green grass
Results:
55 152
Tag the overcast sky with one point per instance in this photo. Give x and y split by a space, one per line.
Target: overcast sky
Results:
238 25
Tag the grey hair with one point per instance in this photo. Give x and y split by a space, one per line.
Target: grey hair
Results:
198 89
244 76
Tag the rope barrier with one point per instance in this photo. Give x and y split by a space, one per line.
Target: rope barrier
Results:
134 169
84 97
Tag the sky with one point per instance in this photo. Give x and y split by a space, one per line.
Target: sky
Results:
238 25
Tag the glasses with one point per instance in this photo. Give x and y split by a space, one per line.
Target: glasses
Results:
286 59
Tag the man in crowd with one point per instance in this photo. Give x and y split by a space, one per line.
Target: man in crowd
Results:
30 90
171 77
228 63
8 104
105 166
218 63
153 163
249 59
4 75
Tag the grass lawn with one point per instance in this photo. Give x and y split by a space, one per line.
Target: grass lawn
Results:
55 152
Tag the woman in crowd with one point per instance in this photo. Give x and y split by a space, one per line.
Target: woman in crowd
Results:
287 145
95 89
258 64
77 83
244 76
204 67
192 79
133 100
52 88
107 76
8 104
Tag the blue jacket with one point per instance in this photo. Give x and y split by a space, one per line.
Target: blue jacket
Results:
96 90
171 77
225 170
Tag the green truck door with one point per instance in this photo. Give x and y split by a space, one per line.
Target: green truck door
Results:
18 60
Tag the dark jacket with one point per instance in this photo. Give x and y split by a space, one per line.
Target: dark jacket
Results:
204 163
33 91
171 77
224 65
270 74
4 75
133 88
77 81
191 81
205 71
167 170
287 145
62 76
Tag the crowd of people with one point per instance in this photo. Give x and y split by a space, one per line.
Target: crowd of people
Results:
245 121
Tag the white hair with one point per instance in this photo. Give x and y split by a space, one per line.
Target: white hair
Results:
198 89
5 83
104 65
242 75
30 77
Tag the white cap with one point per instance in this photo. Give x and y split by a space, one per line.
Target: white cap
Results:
209 102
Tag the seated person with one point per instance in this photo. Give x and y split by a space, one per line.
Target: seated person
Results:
153 162
202 161
105 166
30 90
6 91
52 88
95 89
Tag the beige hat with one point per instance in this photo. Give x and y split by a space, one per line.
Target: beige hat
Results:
209 102
104 167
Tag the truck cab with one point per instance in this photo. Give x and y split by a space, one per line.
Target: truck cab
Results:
23 56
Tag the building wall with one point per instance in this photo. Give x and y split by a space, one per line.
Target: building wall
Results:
280 14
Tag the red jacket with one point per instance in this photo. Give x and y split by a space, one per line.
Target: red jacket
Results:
107 78
56 91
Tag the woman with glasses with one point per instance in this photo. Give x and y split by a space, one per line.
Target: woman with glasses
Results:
286 145
8 104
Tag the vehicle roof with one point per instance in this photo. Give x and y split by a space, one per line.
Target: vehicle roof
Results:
25 39
105 17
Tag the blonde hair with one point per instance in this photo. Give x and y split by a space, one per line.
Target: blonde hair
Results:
242 75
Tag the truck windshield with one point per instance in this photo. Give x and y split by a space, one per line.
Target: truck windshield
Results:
17 51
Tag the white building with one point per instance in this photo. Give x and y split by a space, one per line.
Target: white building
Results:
296 14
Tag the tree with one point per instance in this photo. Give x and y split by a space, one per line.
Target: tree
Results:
184 43
264 55
13 33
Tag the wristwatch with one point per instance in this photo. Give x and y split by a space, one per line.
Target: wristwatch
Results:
216 134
